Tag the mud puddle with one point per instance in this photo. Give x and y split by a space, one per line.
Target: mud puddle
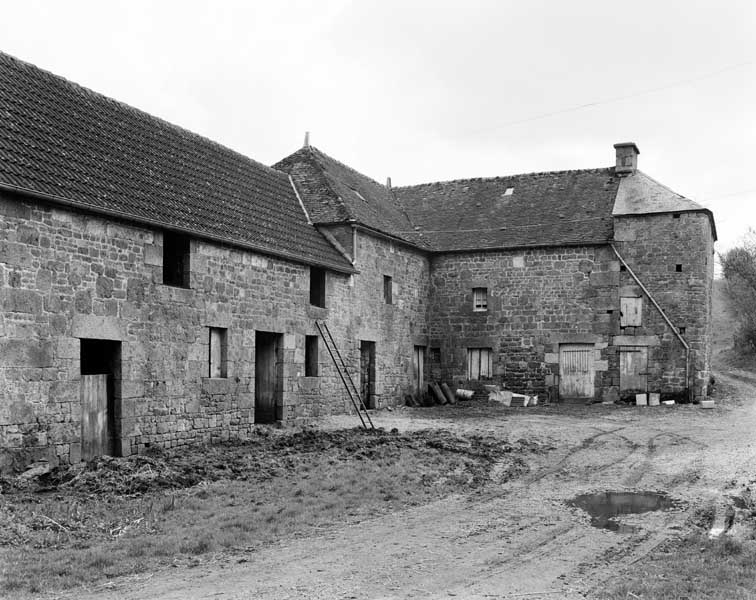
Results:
605 507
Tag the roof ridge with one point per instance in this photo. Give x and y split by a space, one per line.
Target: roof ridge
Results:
141 113
317 150
504 177
327 179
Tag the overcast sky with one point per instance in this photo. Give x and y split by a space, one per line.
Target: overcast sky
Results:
428 91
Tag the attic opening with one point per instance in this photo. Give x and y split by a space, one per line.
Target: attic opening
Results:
317 286
175 259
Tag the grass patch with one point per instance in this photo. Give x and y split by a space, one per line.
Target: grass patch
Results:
692 568
125 516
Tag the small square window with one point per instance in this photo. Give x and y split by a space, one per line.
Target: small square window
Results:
175 259
317 286
388 285
681 330
676 216
311 356
218 352
435 355
480 299
678 268
623 268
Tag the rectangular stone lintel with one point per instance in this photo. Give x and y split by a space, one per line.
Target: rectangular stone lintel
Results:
635 340
97 328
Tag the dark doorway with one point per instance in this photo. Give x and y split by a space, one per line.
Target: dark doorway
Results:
268 377
367 373
100 394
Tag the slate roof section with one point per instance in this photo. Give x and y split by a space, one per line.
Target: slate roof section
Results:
335 193
640 194
67 143
543 209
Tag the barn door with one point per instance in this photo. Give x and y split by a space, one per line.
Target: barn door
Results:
94 416
418 366
576 371
268 377
633 371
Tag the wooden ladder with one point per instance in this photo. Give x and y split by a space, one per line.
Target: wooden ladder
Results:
346 378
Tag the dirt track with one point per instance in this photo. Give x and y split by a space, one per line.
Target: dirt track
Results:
516 537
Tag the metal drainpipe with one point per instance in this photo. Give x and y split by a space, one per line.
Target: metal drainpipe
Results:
665 317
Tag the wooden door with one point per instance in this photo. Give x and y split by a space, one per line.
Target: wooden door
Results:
576 371
367 373
633 371
418 368
94 416
268 371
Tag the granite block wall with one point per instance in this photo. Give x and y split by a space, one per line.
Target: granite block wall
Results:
538 299
67 276
673 256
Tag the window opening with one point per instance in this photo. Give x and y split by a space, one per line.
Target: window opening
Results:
218 358
317 286
678 268
388 295
480 299
478 363
175 259
311 356
630 312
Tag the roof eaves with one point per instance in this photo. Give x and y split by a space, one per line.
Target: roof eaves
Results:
520 247
345 267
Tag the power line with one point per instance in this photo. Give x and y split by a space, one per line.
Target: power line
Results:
614 99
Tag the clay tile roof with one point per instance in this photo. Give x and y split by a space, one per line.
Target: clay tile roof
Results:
536 209
64 142
335 193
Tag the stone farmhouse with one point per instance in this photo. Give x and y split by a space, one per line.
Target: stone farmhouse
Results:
157 288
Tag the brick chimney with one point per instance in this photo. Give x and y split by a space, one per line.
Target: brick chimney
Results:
627 158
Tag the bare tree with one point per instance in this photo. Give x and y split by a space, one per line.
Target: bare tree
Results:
739 270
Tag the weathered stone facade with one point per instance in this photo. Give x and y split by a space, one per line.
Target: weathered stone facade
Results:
654 248
537 300
157 288
68 276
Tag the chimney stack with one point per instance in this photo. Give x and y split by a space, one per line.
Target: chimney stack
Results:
307 139
388 182
627 158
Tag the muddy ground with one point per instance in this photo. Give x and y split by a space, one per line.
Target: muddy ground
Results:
516 536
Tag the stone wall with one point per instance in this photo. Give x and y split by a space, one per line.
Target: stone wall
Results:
654 246
394 328
67 276
537 300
